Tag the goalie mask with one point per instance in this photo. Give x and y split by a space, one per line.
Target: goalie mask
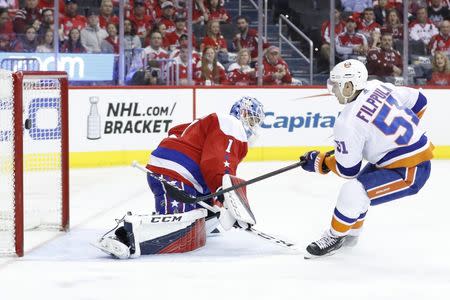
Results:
250 112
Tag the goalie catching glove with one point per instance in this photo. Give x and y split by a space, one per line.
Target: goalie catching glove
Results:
314 161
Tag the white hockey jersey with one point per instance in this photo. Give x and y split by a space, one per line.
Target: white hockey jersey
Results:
381 126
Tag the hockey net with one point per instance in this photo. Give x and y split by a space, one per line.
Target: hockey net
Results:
34 175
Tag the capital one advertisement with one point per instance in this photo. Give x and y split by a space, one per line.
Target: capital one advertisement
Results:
125 119
294 117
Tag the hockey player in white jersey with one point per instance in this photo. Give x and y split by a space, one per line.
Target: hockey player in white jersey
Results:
379 124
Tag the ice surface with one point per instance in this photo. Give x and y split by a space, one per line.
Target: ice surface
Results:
403 253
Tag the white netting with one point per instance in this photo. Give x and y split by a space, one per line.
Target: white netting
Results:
42 148
7 233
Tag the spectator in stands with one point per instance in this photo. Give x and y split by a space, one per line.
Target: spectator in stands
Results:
208 70
6 26
111 43
182 61
46 22
200 13
421 30
107 14
437 12
393 25
246 38
167 18
5 43
8 4
240 72
73 43
46 46
441 69
216 12
385 61
27 42
92 35
180 29
26 16
356 5
130 39
367 24
350 42
275 69
441 41
154 51
183 42
72 19
216 40
338 29
142 21
380 10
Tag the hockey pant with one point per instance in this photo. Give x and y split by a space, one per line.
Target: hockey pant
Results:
374 186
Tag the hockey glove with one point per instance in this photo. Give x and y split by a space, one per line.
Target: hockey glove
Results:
314 161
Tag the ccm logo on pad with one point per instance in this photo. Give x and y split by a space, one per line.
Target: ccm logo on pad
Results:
166 219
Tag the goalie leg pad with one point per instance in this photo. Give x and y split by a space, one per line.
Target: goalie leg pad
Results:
157 234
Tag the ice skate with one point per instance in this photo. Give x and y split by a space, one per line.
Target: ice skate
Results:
325 246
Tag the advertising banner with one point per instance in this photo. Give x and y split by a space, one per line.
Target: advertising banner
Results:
294 117
79 66
125 119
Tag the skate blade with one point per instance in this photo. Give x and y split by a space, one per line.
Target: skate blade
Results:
112 247
312 256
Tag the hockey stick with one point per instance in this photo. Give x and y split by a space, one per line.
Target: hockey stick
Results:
179 194
216 211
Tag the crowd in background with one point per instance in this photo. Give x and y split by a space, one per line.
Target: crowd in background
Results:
156 42
373 32
155 39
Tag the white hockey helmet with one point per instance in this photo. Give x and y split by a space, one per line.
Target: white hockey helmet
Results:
350 70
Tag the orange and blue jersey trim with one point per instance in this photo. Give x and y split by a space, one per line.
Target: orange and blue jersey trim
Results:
408 156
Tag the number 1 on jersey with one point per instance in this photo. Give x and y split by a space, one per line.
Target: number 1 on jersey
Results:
230 142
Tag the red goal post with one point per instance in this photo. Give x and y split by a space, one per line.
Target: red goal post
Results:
34 155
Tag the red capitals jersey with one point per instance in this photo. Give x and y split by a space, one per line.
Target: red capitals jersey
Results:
269 69
150 54
170 25
68 23
238 75
439 43
104 21
218 79
380 62
249 41
217 43
397 32
367 28
325 30
440 78
200 153
143 25
174 36
219 15
182 68
346 41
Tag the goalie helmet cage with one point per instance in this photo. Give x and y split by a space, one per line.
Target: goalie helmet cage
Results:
34 161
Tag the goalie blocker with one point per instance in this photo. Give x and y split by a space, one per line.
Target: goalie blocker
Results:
176 233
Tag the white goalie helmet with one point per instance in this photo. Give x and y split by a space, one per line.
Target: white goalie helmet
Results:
350 70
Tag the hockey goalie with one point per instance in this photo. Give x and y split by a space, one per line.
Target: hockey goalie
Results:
198 158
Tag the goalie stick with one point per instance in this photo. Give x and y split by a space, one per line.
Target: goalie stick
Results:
216 211
177 193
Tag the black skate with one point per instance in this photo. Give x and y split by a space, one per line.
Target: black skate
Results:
326 245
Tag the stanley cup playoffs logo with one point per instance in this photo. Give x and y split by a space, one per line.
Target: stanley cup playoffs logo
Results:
93 120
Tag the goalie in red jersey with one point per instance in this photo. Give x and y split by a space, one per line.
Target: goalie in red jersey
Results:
196 157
